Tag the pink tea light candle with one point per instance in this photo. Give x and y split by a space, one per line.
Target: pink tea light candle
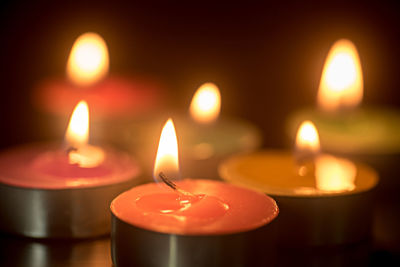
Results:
190 222
50 190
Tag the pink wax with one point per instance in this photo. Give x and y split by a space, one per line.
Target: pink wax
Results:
217 208
46 166
112 97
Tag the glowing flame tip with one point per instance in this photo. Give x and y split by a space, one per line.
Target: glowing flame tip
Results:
167 153
341 81
88 61
307 138
78 128
206 103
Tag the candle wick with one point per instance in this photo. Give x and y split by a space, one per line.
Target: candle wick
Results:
172 185
305 163
167 181
71 149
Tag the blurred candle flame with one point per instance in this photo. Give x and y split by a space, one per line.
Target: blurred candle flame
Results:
307 138
341 83
167 153
88 61
206 104
334 174
78 128
77 138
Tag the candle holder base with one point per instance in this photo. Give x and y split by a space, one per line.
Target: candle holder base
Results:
324 221
58 213
133 246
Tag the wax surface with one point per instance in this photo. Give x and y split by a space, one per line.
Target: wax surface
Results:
218 208
46 166
366 131
274 172
112 97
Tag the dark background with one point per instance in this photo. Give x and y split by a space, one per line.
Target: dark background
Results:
266 57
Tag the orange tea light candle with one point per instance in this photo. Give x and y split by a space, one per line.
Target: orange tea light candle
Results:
190 222
323 199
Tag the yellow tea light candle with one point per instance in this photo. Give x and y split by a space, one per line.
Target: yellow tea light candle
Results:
323 199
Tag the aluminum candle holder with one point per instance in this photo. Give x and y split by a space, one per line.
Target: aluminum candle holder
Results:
133 246
178 224
309 215
63 213
43 196
319 221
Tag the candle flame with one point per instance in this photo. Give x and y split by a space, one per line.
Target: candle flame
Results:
334 174
206 103
77 134
77 138
307 139
88 61
341 83
167 153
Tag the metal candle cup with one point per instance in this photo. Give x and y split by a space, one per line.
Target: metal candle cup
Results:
242 235
43 197
308 216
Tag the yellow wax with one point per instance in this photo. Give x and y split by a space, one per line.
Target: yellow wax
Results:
275 172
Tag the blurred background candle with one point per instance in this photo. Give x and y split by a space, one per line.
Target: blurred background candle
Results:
50 190
190 222
324 200
206 137
345 128
368 134
112 98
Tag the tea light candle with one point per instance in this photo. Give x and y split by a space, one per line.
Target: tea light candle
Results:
324 200
368 134
48 190
342 125
205 138
190 222
88 79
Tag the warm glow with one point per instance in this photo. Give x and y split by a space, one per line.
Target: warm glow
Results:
167 153
88 61
206 103
77 138
341 83
78 128
307 139
334 174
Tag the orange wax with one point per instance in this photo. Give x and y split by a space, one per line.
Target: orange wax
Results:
215 208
